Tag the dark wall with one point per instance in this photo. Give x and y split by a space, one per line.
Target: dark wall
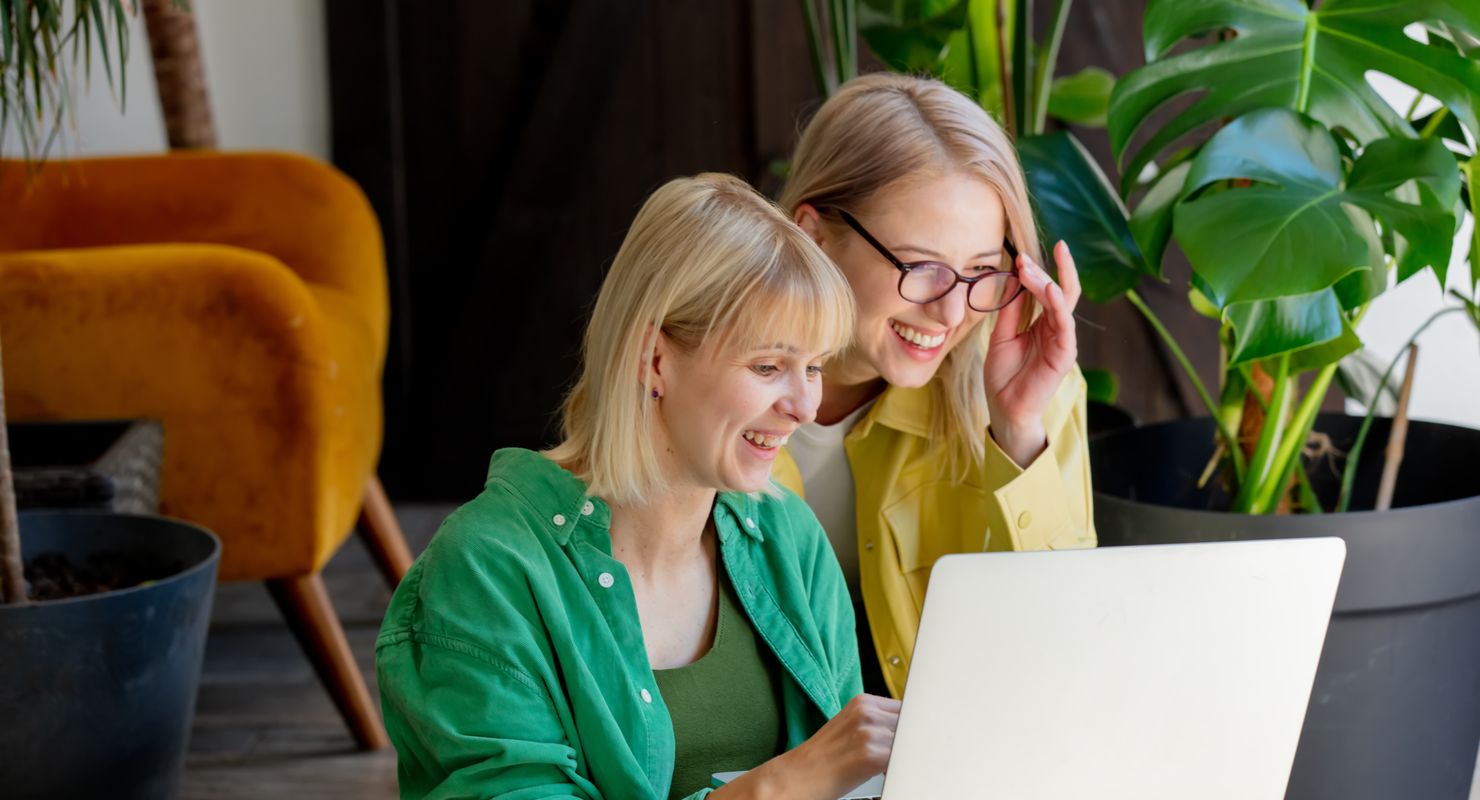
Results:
507 145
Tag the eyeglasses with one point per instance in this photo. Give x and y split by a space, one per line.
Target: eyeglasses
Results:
927 281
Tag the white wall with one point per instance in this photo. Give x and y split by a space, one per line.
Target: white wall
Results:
266 67
1446 387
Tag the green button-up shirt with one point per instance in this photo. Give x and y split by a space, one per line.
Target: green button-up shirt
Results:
511 662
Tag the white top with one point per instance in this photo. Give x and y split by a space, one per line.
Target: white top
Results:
828 484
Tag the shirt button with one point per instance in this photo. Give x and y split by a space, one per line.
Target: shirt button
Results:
588 508
647 697
606 580
868 545
1025 519
895 661
559 520
749 523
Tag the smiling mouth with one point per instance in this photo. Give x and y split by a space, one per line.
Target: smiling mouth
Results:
765 441
915 337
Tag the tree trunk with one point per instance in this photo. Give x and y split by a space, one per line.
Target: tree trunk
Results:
179 74
12 576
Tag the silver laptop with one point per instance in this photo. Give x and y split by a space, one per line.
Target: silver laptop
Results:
1170 671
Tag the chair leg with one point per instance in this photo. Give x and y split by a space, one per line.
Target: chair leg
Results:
382 534
306 607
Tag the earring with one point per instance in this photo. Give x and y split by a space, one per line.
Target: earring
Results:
655 394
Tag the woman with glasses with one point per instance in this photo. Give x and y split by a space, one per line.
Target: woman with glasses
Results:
638 608
955 422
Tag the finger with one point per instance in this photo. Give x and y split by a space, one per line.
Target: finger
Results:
1065 348
1009 318
1068 273
1035 280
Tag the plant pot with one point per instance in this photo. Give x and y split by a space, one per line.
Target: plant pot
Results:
1103 418
1395 709
99 690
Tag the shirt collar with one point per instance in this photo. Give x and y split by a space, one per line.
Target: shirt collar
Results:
902 408
562 501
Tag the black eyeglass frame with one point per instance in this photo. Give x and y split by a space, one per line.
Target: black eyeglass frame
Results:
906 267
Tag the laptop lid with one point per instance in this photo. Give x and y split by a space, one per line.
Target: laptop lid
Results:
1169 671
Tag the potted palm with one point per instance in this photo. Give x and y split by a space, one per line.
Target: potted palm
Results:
103 616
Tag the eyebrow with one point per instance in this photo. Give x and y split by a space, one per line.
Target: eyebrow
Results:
910 248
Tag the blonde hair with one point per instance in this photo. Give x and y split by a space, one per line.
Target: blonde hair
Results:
707 260
882 128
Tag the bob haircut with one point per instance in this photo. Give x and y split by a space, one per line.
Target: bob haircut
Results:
709 262
882 128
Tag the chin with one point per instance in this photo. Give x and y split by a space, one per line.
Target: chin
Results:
909 376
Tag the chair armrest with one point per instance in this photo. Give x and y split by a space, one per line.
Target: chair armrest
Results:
159 326
303 213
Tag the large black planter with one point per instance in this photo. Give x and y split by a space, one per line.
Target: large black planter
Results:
1395 710
98 691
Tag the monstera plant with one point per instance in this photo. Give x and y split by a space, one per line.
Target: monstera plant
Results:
1297 193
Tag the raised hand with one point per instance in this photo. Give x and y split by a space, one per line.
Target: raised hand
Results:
1025 366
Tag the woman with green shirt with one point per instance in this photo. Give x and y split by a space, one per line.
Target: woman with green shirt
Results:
640 607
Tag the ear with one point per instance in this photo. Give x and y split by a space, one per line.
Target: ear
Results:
807 218
655 349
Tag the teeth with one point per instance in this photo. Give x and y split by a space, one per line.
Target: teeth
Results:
915 337
765 440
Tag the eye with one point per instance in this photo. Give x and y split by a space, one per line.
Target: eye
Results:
764 369
814 371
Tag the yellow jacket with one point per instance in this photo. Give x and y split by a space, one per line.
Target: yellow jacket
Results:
911 513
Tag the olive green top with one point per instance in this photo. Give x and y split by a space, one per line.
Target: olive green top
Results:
726 707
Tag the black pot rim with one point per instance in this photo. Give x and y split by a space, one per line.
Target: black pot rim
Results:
1341 514
207 563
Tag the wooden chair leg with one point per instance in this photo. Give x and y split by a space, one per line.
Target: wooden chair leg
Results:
382 534
306 607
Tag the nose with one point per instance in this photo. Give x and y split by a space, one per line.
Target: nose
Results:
799 397
951 309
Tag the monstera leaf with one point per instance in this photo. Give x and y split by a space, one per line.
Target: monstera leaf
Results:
1284 54
1076 203
1285 256
1304 225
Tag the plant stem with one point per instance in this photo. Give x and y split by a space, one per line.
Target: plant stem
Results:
1004 70
1434 121
1288 454
1261 466
12 574
825 83
1349 473
1307 62
1228 438
1047 61
1397 436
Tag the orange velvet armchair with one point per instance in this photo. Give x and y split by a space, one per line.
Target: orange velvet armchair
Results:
240 298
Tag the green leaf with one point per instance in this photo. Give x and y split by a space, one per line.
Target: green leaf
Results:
912 36
1297 230
1076 203
1151 223
1271 61
1101 386
1202 305
1082 98
1311 327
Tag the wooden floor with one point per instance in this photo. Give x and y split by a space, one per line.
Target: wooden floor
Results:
264 726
